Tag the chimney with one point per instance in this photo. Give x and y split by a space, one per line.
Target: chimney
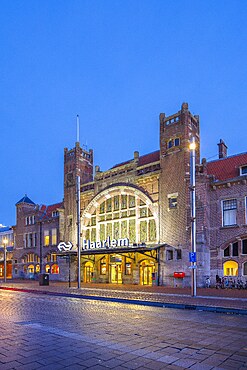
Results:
136 155
222 149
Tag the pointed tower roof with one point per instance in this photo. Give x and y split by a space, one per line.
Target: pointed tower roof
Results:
25 199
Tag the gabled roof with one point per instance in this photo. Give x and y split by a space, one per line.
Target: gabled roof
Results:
47 210
25 199
227 168
143 159
149 158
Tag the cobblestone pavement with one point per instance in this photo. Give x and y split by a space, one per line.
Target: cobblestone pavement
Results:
56 332
220 300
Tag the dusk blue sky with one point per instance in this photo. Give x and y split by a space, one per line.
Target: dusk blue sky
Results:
118 64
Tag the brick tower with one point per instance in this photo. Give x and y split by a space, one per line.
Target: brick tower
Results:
174 187
77 162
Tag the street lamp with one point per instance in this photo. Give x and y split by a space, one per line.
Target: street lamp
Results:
5 242
193 214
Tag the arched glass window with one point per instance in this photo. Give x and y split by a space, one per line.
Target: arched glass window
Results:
55 269
47 269
230 268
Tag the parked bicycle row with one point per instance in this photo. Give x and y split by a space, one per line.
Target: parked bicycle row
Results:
227 282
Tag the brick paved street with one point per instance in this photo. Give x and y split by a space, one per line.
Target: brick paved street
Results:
51 332
232 300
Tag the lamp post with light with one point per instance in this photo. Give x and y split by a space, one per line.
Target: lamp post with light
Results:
193 214
5 242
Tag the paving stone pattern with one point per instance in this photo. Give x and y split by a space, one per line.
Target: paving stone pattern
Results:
47 332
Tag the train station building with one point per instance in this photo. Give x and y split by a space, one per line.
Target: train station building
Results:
135 218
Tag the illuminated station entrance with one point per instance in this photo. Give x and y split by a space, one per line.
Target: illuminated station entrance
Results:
120 237
138 266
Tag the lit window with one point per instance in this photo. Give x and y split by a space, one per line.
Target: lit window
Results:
55 269
103 266
230 268
229 212
53 237
128 268
47 269
46 238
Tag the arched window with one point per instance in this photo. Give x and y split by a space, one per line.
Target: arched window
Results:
121 212
230 268
47 269
55 269
31 269
227 251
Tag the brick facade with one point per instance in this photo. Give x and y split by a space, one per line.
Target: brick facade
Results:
37 233
147 200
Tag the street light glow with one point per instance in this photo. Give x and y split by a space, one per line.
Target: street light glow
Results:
192 145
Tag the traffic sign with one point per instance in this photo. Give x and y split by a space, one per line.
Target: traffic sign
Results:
192 256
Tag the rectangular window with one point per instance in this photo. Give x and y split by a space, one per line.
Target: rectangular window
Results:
244 246
128 269
235 249
30 240
34 239
169 255
54 236
179 254
173 202
229 212
243 170
246 210
46 238
227 251
124 201
116 202
103 266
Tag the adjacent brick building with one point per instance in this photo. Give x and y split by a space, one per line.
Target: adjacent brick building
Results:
37 233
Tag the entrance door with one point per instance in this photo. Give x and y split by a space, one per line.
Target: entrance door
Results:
116 273
88 272
146 270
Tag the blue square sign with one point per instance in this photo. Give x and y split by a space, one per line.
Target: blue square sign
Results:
192 256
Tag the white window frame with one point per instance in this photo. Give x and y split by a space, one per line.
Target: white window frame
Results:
241 170
223 212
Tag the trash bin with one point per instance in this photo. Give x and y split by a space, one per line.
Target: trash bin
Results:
44 279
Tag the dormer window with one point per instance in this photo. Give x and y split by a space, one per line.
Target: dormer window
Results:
243 170
55 214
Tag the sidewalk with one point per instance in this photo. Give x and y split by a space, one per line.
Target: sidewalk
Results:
223 300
